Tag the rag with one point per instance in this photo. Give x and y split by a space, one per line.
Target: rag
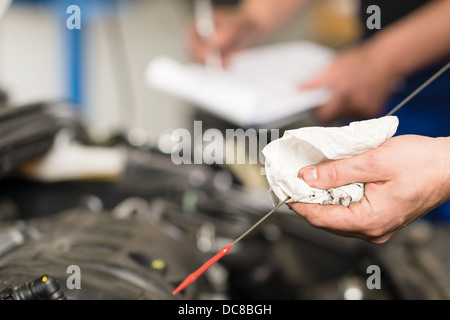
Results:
306 146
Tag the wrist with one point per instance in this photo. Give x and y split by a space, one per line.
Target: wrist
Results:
445 144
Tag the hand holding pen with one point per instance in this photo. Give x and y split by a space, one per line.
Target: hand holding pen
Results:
217 33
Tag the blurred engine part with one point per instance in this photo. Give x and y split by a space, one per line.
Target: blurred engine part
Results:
118 258
140 235
143 250
42 288
28 132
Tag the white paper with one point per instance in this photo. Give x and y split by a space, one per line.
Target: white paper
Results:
259 86
302 147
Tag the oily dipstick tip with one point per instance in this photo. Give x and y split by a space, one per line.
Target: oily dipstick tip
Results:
193 276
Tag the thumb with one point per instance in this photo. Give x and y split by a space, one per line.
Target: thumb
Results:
336 173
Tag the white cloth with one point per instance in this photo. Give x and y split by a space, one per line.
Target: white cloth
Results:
258 87
302 147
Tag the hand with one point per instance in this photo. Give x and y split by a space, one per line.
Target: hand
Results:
360 86
242 26
405 177
234 31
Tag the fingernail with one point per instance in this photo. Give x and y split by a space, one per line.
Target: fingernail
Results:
309 174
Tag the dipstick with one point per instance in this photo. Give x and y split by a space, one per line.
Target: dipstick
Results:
262 219
194 276
423 86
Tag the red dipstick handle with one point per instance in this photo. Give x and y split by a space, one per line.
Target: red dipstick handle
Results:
193 276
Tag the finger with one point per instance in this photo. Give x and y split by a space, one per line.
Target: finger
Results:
196 46
227 56
226 29
312 84
332 217
226 39
355 221
362 168
320 80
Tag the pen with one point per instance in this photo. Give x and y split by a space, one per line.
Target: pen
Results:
205 27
